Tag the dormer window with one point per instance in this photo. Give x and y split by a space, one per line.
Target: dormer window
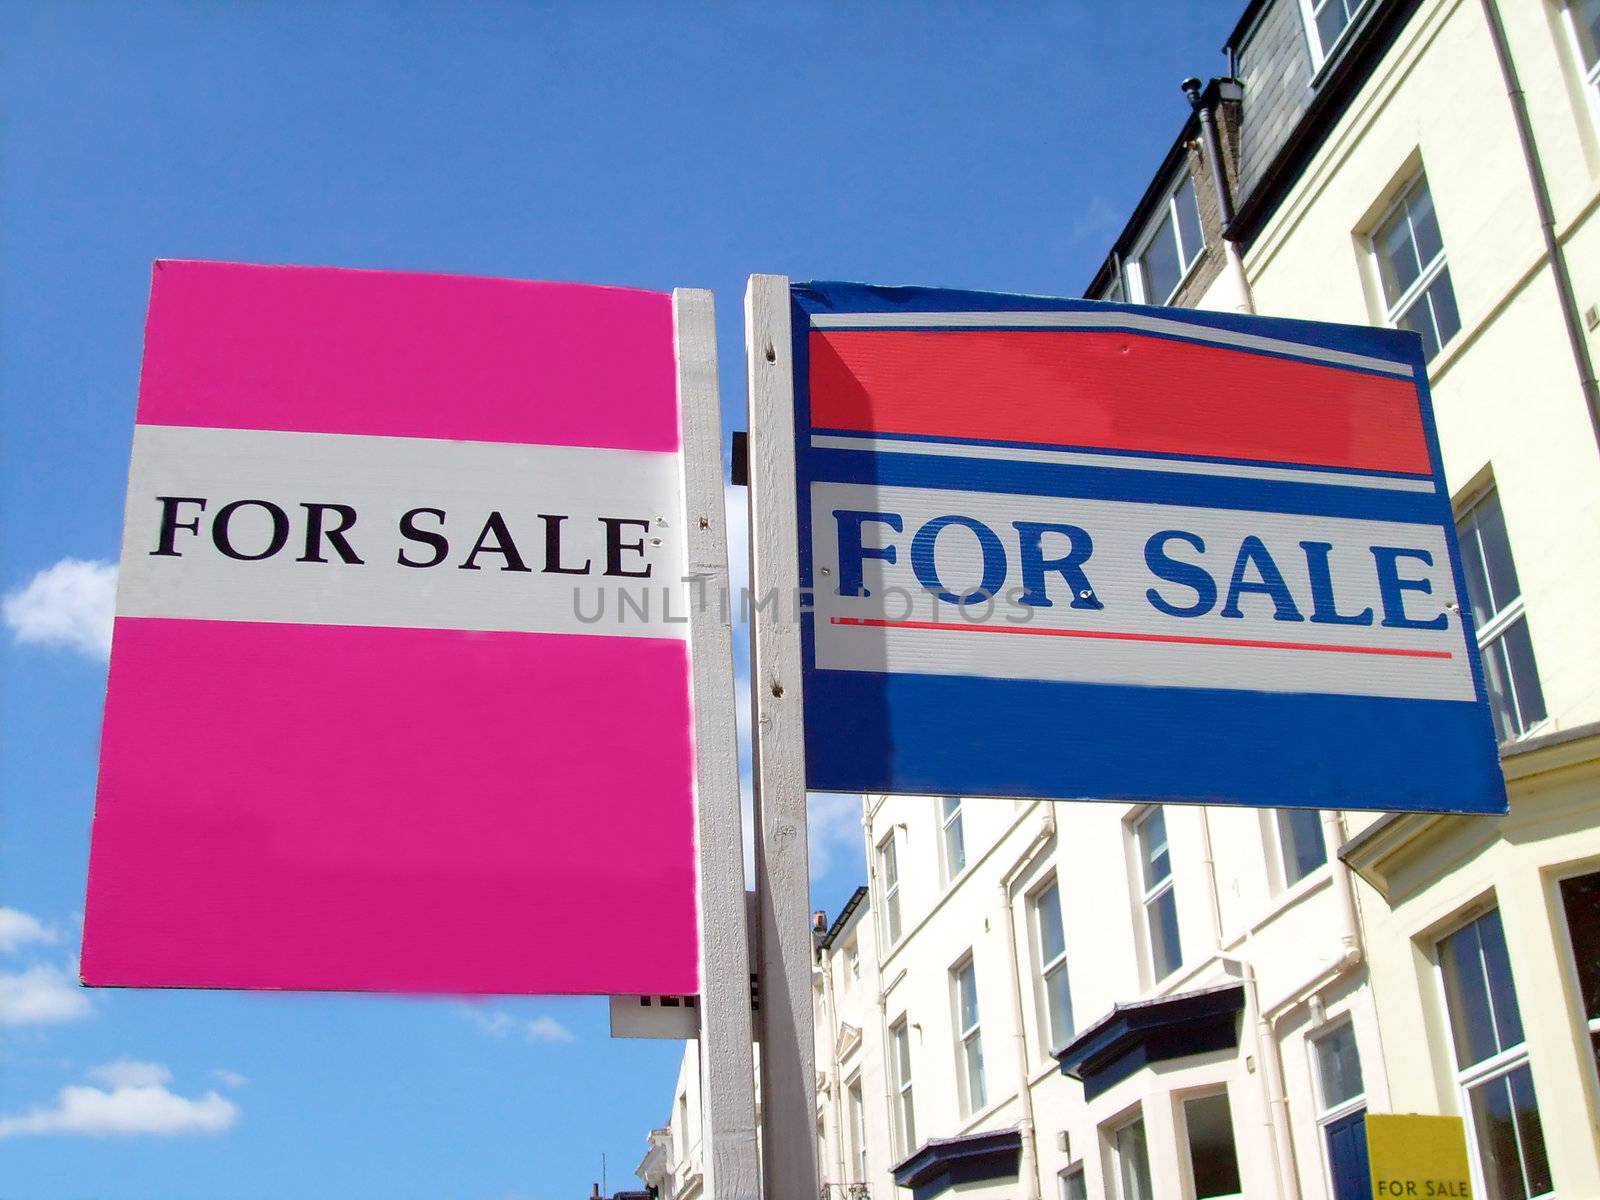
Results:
1172 248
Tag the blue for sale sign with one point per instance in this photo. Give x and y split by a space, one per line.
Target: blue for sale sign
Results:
1069 549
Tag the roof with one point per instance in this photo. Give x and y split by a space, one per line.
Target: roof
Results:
1156 192
942 1163
1374 30
843 919
1133 1036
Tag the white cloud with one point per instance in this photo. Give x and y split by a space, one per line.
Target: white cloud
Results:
17 929
833 823
130 1073
42 994
546 1029
69 604
498 1023
229 1078
150 1109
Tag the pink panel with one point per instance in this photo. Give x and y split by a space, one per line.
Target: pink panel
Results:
291 806
320 350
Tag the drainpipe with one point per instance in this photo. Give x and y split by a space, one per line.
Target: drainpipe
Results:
1547 218
1269 1065
1208 860
889 1066
1028 1165
1349 923
1212 141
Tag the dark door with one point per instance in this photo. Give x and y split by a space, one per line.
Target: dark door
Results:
1347 1156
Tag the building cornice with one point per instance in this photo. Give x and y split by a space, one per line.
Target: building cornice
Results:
1389 843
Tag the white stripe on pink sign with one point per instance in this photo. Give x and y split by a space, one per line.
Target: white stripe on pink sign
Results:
357 735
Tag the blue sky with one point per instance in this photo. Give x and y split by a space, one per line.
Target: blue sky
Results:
983 146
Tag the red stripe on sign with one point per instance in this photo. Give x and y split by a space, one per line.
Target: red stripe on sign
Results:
1114 391
1114 635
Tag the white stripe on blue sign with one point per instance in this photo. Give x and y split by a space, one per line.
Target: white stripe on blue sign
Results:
940 582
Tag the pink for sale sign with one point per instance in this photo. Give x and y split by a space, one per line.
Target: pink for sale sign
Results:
399 695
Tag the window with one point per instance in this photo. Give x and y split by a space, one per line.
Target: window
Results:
905 1122
1509 670
969 1038
1328 19
858 1129
1342 1111
1159 900
1338 1069
1174 246
1132 1155
1052 943
1492 1061
955 842
1583 22
852 963
1580 898
889 881
1300 843
1072 1185
1417 294
1213 1161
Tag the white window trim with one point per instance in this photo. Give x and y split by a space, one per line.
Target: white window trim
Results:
1425 279
1514 610
945 822
902 1077
1320 54
889 852
1327 1114
1149 895
1495 1066
1280 860
1067 1172
1047 969
1185 1146
1135 1116
1133 268
856 1113
968 1037
1588 76
1570 958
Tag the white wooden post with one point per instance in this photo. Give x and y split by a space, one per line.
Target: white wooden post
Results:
727 1075
783 882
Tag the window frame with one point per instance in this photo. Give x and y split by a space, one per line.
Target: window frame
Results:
888 852
902 1078
1570 959
1325 1114
1498 624
968 1040
1149 895
1588 76
1186 1153
1136 285
1280 823
1058 965
856 1114
1320 54
1496 1066
1116 1190
1428 273
1072 1171
952 819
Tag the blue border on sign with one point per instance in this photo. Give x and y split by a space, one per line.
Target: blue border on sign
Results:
975 736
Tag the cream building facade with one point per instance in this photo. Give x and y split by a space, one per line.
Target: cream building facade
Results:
1125 1002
